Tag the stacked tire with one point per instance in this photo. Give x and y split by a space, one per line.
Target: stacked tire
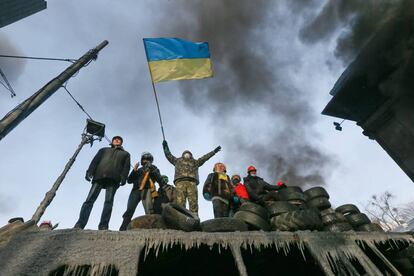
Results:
291 214
294 195
318 198
147 222
359 221
179 218
223 225
255 216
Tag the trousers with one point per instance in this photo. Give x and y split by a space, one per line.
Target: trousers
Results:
187 190
220 208
90 200
134 198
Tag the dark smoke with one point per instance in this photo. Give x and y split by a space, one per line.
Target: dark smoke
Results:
353 21
251 63
12 68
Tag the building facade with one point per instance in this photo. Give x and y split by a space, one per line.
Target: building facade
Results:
377 89
15 10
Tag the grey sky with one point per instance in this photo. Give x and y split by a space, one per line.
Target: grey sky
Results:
116 90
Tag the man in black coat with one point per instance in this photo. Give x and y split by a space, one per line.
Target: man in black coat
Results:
258 189
108 169
143 179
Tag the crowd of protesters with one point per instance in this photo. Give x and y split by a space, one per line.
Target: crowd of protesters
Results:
110 167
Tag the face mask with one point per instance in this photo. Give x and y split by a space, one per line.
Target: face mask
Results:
235 181
253 174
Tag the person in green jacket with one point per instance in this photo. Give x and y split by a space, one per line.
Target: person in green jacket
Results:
186 175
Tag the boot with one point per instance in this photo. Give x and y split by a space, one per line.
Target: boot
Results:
195 214
77 226
102 227
124 224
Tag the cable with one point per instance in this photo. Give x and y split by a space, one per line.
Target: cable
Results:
40 58
83 109
80 106
87 114
6 84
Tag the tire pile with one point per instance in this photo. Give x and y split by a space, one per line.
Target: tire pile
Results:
293 210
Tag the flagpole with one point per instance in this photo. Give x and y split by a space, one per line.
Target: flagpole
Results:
158 106
155 92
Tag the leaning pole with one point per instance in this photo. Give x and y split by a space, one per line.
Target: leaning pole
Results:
20 112
86 138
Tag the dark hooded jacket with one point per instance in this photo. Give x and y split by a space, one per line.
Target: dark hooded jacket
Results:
257 187
186 169
218 187
136 177
111 163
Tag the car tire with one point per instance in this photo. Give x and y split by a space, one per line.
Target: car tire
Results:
255 209
177 217
279 207
321 203
147 222
356 220
348 209
223 225
315 192
297 220
253 221
370 227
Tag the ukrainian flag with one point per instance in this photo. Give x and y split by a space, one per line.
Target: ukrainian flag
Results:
177 59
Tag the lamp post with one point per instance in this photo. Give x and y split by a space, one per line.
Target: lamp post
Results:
93 131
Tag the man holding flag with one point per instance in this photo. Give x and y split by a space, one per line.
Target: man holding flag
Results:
178 59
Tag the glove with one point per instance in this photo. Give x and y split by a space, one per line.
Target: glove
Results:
164 144
281 185
88 176
236 200
123 182
207 196
217 149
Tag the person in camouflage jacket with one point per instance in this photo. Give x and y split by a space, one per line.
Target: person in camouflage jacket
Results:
186 175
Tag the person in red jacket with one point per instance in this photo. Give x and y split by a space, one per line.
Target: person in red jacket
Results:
240 193
239 189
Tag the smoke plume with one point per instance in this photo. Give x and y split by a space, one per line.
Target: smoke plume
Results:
259 116
352 21
12 68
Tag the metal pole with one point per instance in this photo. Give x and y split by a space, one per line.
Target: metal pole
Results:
86 138
155 92
158 108
19 113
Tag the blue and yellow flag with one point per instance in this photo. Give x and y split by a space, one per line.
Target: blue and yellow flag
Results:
177 59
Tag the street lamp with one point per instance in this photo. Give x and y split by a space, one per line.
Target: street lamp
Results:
93 131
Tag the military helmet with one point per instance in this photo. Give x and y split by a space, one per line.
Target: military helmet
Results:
147 156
